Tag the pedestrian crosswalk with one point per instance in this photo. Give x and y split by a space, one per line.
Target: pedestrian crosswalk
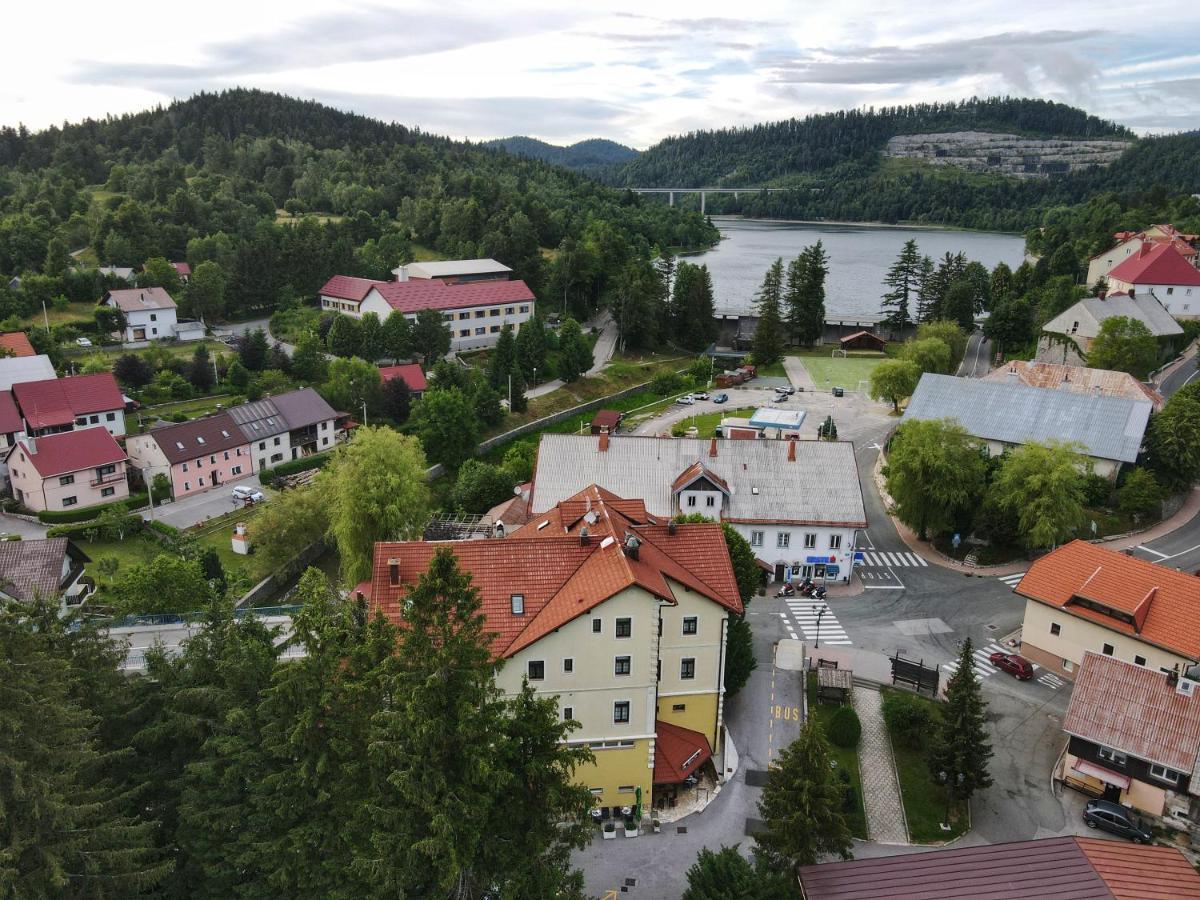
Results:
805 613
879 559
983 666
1012 580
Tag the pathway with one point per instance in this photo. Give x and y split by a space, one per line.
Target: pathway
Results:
797 374
606 344
881 789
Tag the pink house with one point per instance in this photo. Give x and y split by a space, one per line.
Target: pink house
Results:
197 456
72 469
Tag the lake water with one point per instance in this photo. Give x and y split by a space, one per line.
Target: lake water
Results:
859 257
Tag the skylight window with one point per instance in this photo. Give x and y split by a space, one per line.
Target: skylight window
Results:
543 525
224 433
199 440
179 445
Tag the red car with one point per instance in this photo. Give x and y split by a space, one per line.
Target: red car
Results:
1017 666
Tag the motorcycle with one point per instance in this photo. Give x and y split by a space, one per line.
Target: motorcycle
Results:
819 593
786 591
806 589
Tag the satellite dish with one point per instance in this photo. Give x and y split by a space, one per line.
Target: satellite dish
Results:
516 490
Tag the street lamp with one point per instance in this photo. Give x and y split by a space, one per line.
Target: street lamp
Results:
944 778
820 612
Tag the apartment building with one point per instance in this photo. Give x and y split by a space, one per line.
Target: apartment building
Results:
64 404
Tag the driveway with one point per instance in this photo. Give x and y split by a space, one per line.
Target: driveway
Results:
199 508
29 531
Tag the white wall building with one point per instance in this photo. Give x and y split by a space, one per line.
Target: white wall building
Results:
150 313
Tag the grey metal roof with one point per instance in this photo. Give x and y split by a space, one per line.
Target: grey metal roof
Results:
1106 427
1145 308
258 419
446 268
820 486
303 408
19 369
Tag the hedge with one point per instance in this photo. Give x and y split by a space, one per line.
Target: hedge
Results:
66 516
80 531
163 528
291 467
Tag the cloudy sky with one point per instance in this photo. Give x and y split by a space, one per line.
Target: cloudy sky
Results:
633 72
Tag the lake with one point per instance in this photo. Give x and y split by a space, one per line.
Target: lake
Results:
859 257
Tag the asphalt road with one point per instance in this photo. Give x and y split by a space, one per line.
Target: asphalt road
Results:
1180 549
1185 374
977 358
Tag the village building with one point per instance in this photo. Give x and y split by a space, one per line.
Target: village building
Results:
1084 597
151 315
1005 414
196 456
798 503
11 428
19 369
1077 380
184 270
287 426
410 374
1165 274
49 569
618 614
1130 243
454 271
65 404
16 343
69 470
1067 338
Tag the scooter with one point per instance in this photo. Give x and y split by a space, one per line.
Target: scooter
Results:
807 588
819 593
786 591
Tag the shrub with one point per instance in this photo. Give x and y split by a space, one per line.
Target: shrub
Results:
844 729
1096 489
90 531
667 383
292 466
910 719
66 516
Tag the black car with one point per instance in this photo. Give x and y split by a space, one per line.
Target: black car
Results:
1109 816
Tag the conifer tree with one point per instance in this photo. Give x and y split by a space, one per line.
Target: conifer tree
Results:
397 336
501 359
903 280
531 349
371 342
575 357
805 294
961 747
768 334
519 402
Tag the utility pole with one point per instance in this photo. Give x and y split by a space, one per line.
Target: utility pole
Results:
45 317
510 391
364 412
150 494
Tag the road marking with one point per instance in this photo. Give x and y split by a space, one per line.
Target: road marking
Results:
1012 580
1155 552
879 559
805 614
1182 552
883 587
980 663
1051 681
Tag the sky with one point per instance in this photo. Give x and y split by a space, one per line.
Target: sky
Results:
632 72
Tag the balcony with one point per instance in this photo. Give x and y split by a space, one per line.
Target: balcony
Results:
111 478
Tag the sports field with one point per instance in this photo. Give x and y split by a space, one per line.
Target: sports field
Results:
846 373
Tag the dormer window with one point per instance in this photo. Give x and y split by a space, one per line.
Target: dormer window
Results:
517 601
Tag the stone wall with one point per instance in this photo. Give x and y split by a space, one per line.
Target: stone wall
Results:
1006 154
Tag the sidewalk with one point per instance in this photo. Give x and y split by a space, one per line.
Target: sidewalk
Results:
797 374
886 823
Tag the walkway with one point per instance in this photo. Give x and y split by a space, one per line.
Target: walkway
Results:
881 789
797 374
606 344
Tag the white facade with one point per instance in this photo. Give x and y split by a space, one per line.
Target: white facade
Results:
113 420
269 451
471 328
1180 300
149 325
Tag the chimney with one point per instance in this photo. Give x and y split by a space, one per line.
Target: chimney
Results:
1012 373
604 440
712 449
791 451
1144 249
31 445
401 273
671 528
584 537
631 546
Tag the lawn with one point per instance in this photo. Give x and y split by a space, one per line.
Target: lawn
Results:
706 423
774 370
288 325
139 422
81 314
827 371
846 760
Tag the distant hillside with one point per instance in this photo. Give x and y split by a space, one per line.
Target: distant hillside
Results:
590 156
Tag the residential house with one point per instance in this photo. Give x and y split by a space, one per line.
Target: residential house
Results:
619 615
1004 414
1084 597
64 404
49 569
1130 243
286 427
18 369
1067 338
410 374
510 514
151 315
16 343
1135 738
11 428
798 503
1077 380
184 270
1069 868
1165 274
454 271
196 456
125 273
69 470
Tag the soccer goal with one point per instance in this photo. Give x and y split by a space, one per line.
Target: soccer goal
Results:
834 354
863 387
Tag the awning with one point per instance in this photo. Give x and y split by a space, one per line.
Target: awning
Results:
678 752
1116 779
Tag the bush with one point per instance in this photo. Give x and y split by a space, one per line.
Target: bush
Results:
910 719
89 531
292 466
1096 489
844 729
66 516
667 383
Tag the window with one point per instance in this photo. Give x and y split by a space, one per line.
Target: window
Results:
524 309
185 467
568 665
466 332
835 542
1164 774
107 492
626 789
495 329
508 310
237 470
783 539
687 668
624 628
463 316
756 539
494 312
70 501
479 313
1108 650
201 481
689 625
481 330
1055 628
66 479
568 713
95 420
1067 665
1139 660
81 421
537 670
623 666
710 501
597 626
153 317
1170 291
212 460
517 602
187 485
621 711
810 541
691 500
678 707
262 445
110 417
1116 757
276 442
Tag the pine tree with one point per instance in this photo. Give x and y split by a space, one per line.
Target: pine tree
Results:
903 281
371 342
501 359
397 336
575 357
801 805
961 748
805 294
636 302
517 388
531 349
927 301
768 334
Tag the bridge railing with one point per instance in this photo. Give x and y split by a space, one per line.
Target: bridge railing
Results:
197 615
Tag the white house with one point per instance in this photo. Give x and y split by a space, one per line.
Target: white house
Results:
1161 271
798 503
1067 338
151 315
1129 243
286 427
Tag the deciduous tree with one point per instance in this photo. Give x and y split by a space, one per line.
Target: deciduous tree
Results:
727 875
935 473
1124 345
397 336
1173 440
166 584
894 380
204 296
345 337
309 365
1041 488
446 424
430 335
929 355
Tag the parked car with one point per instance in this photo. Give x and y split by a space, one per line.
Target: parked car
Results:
1017 666
1109 816
241 494
838 392
785 390
686 400
781 398
701 395
724 398
83 342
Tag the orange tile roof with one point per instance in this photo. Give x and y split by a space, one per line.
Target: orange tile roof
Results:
17 342
678 752
1077 380
1134 872
1164 603
562 578
698 470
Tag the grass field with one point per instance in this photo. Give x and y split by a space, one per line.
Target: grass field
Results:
827 371
846 760
706 423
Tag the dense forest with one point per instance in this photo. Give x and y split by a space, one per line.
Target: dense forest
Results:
282 193
597 158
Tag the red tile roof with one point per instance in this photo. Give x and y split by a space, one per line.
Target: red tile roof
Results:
561 578
17 342
199 437
1134 872
607 418
414 296
1164 603
70 451
698 470
10 418
410 374
57 401
678 752
347 287
182 268
1158 263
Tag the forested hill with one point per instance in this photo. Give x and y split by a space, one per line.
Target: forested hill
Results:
595 157
281 193
760 153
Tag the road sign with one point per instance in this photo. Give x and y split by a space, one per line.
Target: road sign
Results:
831 570
956 540
858 556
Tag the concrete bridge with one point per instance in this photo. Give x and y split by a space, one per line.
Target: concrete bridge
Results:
704 192
144 633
